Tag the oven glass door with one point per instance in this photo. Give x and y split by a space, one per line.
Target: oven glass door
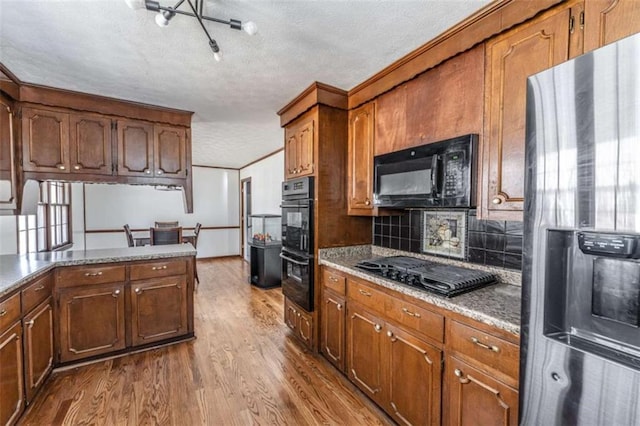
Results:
296 226
297 279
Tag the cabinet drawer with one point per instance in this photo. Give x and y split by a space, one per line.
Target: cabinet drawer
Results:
36 292
99 274
9 311
157 269
421 320
489 350
365 295
333 280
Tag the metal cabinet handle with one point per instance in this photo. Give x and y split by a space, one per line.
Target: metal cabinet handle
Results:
457 372
61 167
29 323
137 290
390 333
334 279
496 200
147 171
482 345
116 293
76 167
159 172
298 314
39 288
377 327
339 306
3 312
157 268
367 202
412 314
93 274
364 293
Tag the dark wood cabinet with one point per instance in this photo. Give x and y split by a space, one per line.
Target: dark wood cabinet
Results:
606 21
475 398
158 309
299 148
332 329
360 160
92 321
90 144
8 189
300 322
45 140
135 148
169 146
11 380
38 347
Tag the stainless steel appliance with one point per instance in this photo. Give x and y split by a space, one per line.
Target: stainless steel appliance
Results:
580 336
440 174
297 241
445 280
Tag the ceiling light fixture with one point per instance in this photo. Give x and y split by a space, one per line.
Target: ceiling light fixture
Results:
165 14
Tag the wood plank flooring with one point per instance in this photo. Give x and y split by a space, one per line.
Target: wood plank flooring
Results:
243 368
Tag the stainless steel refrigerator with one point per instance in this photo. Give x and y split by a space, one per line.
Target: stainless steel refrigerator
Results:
580 336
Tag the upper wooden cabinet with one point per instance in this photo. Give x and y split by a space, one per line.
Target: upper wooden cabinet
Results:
360 160
299 148
606 21
510 59
7 157
169 146
45 140
90 149
135 148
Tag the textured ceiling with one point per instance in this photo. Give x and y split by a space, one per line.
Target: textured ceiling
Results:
105 48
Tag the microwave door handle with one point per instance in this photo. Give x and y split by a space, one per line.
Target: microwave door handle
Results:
435 184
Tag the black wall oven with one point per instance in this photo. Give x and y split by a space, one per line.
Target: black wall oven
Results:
297 241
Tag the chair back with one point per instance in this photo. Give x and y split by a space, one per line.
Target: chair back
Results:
127 231
167 224
196 232
162 236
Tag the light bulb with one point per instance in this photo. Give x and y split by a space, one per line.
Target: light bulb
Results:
250 27
135 4
217 56
163 18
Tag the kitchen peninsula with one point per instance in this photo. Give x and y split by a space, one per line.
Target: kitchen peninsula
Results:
72 306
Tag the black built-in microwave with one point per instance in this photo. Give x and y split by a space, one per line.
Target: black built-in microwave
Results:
439 174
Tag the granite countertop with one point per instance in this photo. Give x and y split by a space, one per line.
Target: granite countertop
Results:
497 305
15 270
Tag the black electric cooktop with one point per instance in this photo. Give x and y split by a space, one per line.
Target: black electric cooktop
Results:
445 280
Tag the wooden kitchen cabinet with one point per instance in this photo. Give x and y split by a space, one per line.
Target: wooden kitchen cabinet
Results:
92 321
158 309
511 58
135 148
299 148
360 160
45 140
606 21
169 147
38 347
476 398
12 401
90 149
7 157
332 329
300 322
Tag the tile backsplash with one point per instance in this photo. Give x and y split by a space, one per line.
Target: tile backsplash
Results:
489 242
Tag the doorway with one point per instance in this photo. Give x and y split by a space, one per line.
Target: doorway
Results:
245 185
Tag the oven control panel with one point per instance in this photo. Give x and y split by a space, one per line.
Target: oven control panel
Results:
603 244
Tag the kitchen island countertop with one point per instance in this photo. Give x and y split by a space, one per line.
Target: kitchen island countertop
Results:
15 270
497 305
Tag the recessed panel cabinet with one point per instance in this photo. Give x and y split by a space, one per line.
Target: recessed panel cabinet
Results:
135 148
45 140
607 21
38 346
300 322
360 160
299 148
11 380
90 149
332 338
169 146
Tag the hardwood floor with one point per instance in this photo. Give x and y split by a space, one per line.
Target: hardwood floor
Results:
243 368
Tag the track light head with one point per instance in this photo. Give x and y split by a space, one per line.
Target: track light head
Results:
163 17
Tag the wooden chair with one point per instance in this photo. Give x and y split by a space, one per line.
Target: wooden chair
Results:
127 231
196 232
162 236
167 224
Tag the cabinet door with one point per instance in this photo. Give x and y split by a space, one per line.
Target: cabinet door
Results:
333 329
415 368
91 321
474 398
38 346
364 353
290 152
170 151
11 384
390 121
7 167
606 21
290 315
305 149
45 141
90 148
510 59
158 309
305 328
135 148
360 155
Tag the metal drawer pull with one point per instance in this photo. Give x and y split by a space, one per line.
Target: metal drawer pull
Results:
482 345
93 274
377 327
3 312
334 279
365 293
116 293
339 306
39 288
390 333
157 268
137 290
457 372
76 167
29 323
412 314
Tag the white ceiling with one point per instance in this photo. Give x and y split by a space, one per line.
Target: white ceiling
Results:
105 48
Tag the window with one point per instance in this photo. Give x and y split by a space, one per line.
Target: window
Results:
50 227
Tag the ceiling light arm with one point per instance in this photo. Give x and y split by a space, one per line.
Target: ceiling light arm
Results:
212 42
156 7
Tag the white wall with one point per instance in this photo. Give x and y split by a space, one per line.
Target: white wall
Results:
8 235
266 184
216 203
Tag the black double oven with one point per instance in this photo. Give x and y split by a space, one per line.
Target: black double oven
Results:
297 241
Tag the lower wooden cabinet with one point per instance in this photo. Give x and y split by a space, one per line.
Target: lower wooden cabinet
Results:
475 398
158 309
92 321
11 382
300 322
38 347
332 329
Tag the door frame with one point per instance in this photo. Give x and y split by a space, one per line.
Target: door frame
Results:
243 219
